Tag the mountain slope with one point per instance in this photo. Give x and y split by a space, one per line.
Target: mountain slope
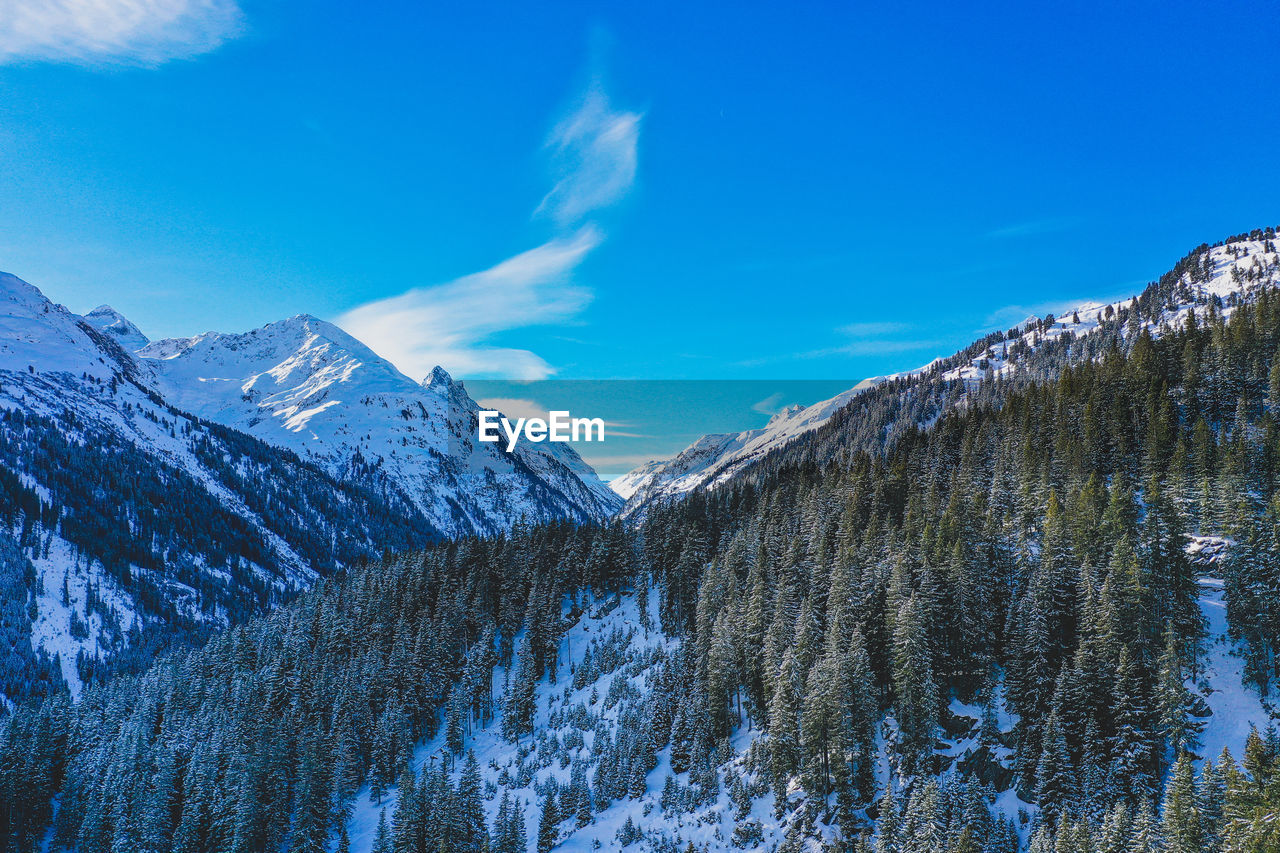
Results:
135 523
713 459
173 491
305 385
1034 350
104 318
1030 622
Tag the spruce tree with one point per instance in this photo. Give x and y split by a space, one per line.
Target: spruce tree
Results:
382 837
784 731
548 824
1180 819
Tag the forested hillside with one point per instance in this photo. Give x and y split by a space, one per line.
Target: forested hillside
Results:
877 413
137 554
989 638
149 502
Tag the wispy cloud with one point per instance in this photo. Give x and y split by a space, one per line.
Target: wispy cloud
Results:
594 149
615 465
449 324
875 347
872 330
877 338
138 32
594 154
769 405
1008 316
1033 227
515 407
856 339
523 407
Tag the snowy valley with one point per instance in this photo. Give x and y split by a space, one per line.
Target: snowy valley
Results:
1020 600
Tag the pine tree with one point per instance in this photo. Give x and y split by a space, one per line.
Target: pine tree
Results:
311 822
1181 822
1113 837
508 828
1132 769
382 838
822 732
454 733
521 703
1211 794
548 825
784 732
470 807
889 824
1056 785
1181 730
1145 835
916 693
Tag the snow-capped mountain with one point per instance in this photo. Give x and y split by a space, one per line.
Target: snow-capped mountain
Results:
128 516
305 385
35 335
161 496
1220 274
104 318
714 459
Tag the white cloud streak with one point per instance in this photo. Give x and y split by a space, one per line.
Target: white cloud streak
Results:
1033 228
594 152
134 32
872 330
515 407
769 405
448 324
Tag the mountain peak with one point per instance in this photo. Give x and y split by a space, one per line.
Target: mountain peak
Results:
783 414
17 291
438 377
104 318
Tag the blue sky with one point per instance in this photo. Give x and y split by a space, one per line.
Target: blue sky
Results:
629 190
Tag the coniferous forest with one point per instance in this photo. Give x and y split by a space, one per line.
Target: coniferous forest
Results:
1025 572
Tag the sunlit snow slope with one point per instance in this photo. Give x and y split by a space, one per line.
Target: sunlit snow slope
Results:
305 385
1235 267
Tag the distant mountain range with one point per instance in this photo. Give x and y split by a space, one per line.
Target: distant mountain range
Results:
154 491
157 491
303 384
980 605
1033 349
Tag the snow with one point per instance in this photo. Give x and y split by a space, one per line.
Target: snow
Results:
58 565
75 372
711 824
35 333
492 749
1222 284
713 459
300 384
629 483
305 385
1237 707
107 319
